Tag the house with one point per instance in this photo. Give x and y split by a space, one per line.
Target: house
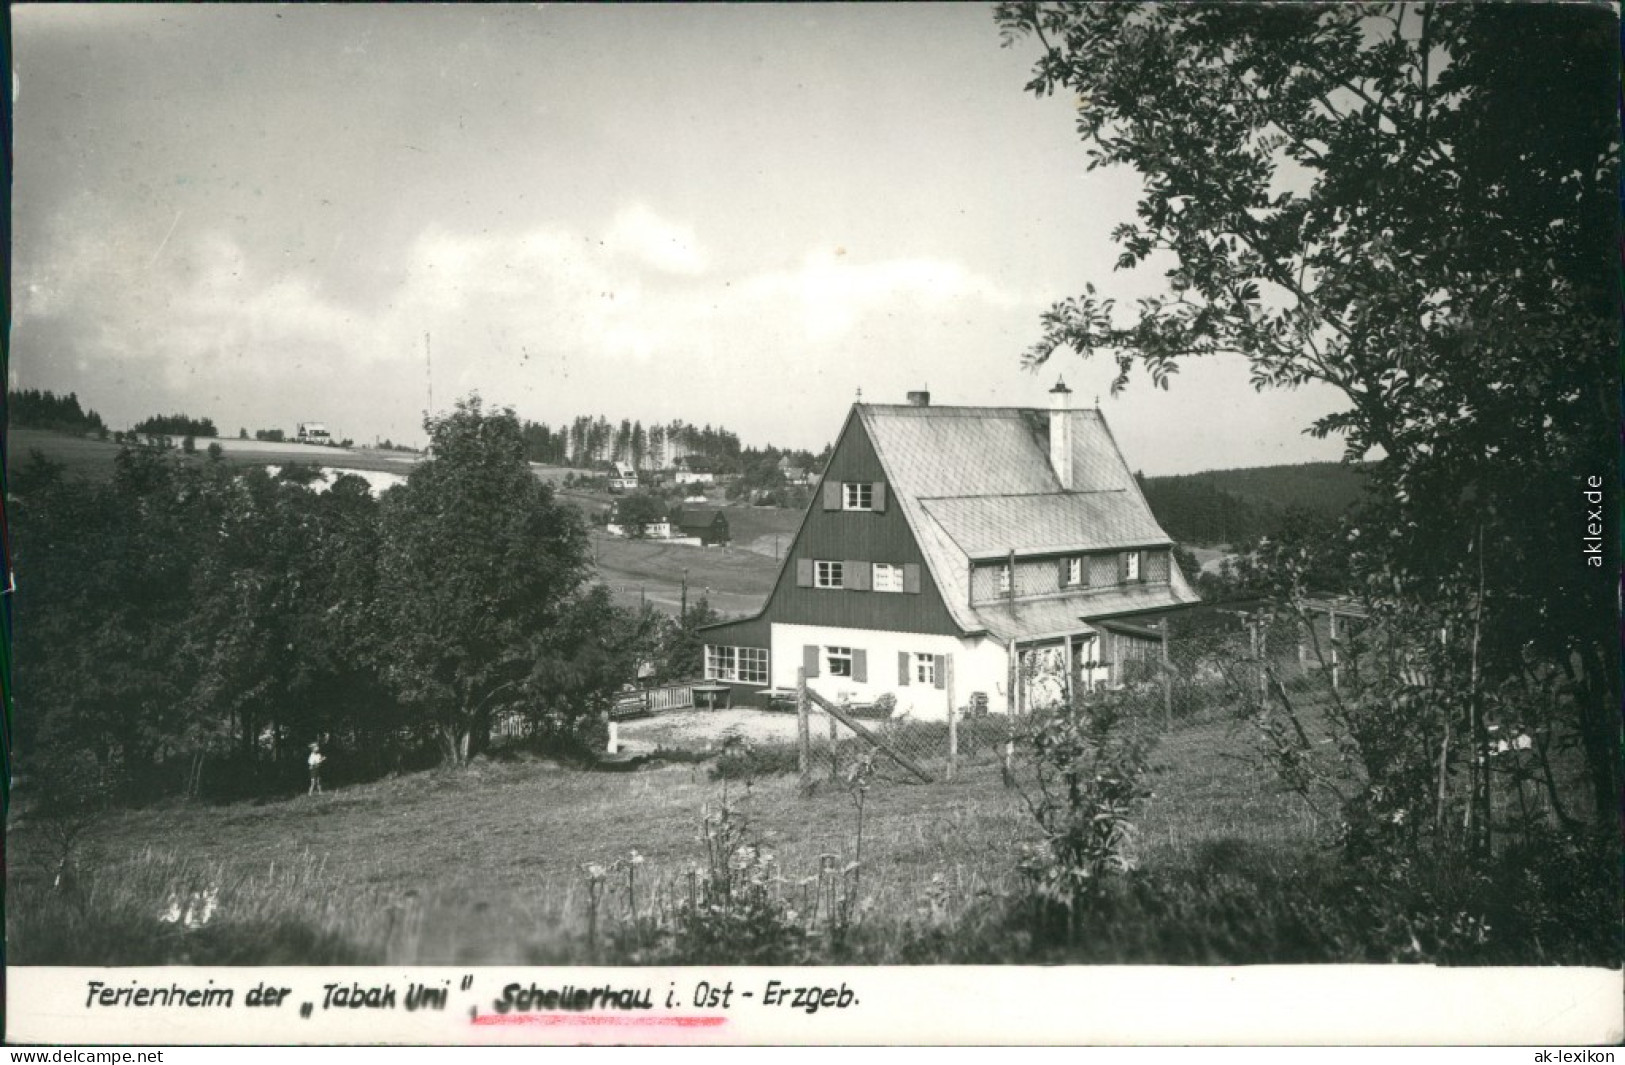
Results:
707 525
793 474
693 469
658 529
313 433
624 478
956 556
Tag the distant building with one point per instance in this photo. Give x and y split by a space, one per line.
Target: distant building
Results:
692 469
624 479
1010 549
659 529
314 433
697 526
793 474
708 525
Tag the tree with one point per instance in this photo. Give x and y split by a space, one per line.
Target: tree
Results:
681 651
1412 203
480 570
637 511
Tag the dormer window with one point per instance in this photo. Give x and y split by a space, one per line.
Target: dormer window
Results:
1075 571
1133 563
857 495
1004 580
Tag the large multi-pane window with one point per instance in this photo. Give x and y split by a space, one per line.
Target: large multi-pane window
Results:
827 575
857 495
1075 571
1133 572
838 661
925 668
748 665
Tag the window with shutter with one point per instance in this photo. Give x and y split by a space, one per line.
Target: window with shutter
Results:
809 659
939 668
902 668
860 665
828 574
911 578
832 495
857 575
804 572
879 493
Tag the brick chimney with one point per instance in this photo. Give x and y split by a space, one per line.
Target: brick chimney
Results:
1060 433
919 399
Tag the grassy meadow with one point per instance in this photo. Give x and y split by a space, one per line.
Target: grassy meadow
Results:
488 865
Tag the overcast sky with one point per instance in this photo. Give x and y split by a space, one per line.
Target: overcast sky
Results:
738 215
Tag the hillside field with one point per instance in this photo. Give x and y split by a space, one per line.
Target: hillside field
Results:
486 865
736 579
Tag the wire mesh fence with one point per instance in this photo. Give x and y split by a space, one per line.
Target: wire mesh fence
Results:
900 750
1222 659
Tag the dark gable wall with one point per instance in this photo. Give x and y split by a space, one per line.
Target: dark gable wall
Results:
838 535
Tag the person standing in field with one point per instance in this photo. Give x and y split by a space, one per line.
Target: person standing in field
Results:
316 761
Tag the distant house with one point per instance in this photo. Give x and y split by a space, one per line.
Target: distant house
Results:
793 474
660 529
624 478
708 525
1004 553
313 433
699 526
693 469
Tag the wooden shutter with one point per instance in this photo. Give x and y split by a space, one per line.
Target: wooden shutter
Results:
1145 566
1063 575
939 667
1083 571
856 575
860 665
804 572
809 659
1122 567
911 577
832 495
902 668
879 496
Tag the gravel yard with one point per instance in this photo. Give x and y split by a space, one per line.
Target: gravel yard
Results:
699 730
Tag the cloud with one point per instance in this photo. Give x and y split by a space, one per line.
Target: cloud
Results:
553 321
834 293
644 237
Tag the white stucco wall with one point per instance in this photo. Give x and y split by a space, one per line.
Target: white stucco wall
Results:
979 665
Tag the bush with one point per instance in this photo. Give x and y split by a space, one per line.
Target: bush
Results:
1086 769
744 761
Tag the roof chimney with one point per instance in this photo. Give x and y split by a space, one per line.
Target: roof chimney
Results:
1060 433
919 399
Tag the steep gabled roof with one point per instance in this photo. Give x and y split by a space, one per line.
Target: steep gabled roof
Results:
693 517
976 483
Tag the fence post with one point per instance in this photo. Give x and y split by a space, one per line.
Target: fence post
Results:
803 736
834 749
1167 680
953 718
614 738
